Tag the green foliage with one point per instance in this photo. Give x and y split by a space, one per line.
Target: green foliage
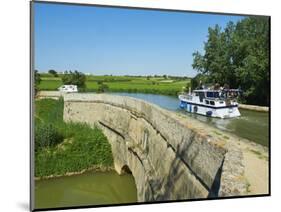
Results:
238 56
194 83
186 88
66 147
99 82
53 72
50 84
137 84
37 80
46 135
74 78
197 81
102 88
49 111
82 148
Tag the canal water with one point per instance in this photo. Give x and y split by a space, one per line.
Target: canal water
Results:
90 188
251 125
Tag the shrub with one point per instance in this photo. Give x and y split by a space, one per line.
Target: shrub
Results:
74 78
46 135
37 80
53 72
102 88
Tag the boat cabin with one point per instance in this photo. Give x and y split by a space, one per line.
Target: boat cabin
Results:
216 103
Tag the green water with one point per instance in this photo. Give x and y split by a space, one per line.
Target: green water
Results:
251 125
91 188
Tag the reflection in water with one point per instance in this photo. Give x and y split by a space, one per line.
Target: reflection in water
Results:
91 188
251 125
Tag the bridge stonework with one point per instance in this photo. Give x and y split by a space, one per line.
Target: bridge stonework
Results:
169 158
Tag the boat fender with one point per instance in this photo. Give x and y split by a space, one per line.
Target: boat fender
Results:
209 113
195 109
182 104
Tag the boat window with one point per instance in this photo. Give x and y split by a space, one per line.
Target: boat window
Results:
207 102
221 102
216 94
212 102
213 94
210 94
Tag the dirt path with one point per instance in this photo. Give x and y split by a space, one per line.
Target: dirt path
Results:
256 172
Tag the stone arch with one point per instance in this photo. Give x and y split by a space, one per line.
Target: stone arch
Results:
156 145
126 169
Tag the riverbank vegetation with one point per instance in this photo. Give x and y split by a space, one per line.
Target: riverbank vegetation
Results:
165 85
238 56
62 147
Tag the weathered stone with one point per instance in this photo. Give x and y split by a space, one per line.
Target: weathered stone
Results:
169 159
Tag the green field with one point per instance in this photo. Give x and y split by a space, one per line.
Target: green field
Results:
155 85
66 147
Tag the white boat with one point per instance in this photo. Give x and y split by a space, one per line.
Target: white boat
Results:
68 88
219 103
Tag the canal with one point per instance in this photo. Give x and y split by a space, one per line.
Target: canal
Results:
90 188
251 125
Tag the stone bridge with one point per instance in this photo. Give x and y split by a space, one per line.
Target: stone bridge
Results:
169 156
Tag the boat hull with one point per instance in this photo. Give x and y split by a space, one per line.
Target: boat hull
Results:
230 111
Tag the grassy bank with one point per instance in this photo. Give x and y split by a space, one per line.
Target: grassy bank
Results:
62 147
154 85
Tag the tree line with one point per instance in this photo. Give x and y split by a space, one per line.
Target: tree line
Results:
68 78
237 55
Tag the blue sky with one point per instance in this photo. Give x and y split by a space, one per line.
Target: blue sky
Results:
119 41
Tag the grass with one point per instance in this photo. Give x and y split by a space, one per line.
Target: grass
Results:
225 137
248 185
259 154
256 152
81 148
49 85
155 85
216 132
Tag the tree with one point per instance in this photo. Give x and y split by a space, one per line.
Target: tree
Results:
53 72
186 88
74 78
37 80
198 80
102 88
238 56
